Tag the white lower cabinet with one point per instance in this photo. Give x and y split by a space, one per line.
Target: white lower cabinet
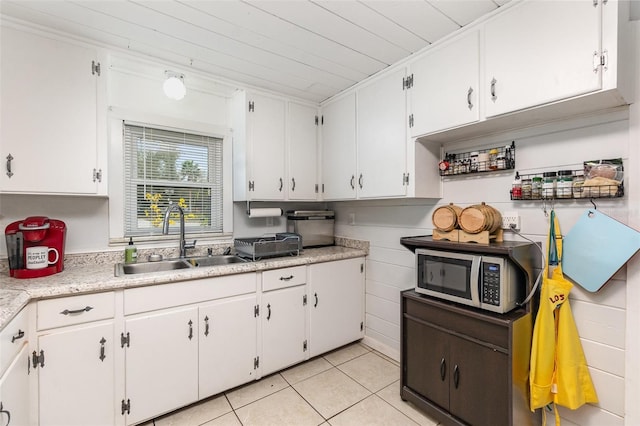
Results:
282 318
14 391
228 344
161 364
75 368
336 298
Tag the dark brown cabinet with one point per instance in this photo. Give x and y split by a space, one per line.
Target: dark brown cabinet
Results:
465 366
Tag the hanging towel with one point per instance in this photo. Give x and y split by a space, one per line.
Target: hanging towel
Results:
559 372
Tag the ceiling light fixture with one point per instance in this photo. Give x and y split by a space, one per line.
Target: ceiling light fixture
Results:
174 86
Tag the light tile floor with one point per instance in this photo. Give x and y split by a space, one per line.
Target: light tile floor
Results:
351 386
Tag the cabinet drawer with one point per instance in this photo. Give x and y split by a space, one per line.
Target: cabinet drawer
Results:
12 338
285 277
145 299
460 320
75 310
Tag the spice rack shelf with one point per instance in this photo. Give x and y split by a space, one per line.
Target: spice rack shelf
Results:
480 161
568 185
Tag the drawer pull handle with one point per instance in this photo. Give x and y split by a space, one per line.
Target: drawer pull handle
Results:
456 376
268 311
289 278
443 369
76 311
18 336
102 355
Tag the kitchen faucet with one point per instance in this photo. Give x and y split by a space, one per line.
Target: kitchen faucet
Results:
165 229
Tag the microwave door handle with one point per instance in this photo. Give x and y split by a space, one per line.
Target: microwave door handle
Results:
475 287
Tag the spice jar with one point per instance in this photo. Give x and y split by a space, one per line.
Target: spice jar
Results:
516 188
473 156
564 184
536 188
527 188
549 184
578 181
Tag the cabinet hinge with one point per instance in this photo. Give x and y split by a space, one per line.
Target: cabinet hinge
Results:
323 188
256 310
362 268
600 60
361 325
405 179
256 363
95 67
317 188
252 106
407 82
304 300
321 119
97 175
37 359
125 407
317 120
304 346
252 185
410 120
124 340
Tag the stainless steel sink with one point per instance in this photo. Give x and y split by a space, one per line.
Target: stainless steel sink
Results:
145 267
175 264
215 260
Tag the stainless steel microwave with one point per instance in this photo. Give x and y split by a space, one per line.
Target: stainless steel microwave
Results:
487 282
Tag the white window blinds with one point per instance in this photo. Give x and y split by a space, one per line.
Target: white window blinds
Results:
164 167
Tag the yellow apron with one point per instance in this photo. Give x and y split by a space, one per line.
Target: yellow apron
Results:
559 372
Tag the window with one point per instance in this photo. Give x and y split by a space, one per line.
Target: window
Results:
164 167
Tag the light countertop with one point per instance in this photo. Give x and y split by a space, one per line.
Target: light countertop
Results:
94 277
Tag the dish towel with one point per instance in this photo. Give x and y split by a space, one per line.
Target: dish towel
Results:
559 372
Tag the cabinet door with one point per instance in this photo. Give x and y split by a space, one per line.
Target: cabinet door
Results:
48 116
382 137
282 314
538 52
339 149
228 344
445 86
302 152
76 382
479 383
161 364
336 300
266 136
427 361
14 390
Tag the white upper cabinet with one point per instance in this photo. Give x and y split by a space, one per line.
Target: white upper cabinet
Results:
444 89
339 149
259 147
274 149
540 52
382 137
50 128
302 137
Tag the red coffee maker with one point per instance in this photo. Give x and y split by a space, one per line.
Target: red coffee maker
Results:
32 232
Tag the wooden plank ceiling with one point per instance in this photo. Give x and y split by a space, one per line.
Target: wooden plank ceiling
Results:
306 49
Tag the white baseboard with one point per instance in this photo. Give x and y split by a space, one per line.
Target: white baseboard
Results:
382 348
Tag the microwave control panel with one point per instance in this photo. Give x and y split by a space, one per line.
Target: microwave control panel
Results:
491 283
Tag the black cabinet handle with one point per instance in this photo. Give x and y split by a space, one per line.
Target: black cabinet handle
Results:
18 336
443 369
190 329
7 412
352 182
293 184
102 355
315 305
76 311
456 376
268 312
494 97
289 278
281 185
9 159
206 325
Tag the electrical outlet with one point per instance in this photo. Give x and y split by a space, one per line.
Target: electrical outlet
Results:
510 220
